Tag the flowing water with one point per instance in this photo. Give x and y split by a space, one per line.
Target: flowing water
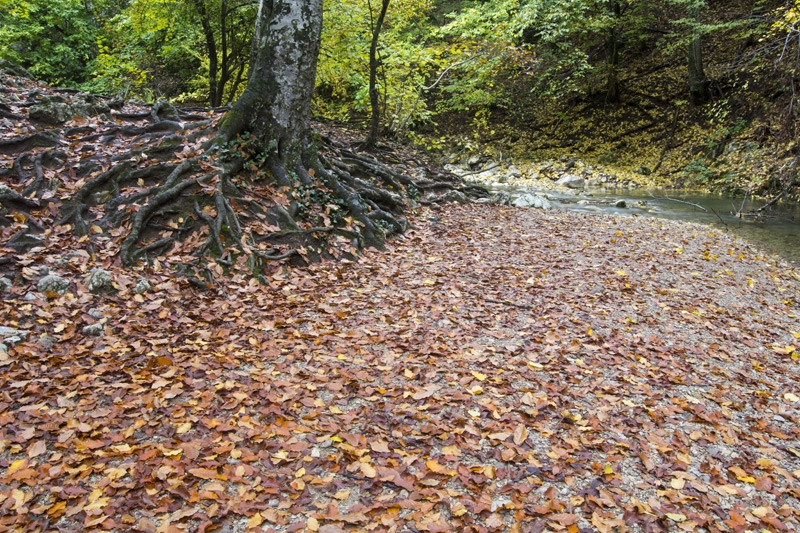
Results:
777 231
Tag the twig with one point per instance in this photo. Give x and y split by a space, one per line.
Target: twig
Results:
720 218
507 302
698 206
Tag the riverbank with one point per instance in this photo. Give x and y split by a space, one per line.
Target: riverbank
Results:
498 368
576 186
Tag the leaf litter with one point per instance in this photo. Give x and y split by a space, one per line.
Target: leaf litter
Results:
494 370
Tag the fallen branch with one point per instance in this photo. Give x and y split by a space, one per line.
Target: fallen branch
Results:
508 302
698 206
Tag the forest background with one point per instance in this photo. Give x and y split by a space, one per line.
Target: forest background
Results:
680 92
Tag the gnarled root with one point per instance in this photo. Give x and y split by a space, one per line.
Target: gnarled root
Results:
176 185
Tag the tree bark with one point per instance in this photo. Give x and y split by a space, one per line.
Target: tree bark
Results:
214 96
375 120
276 104
612 55
698 83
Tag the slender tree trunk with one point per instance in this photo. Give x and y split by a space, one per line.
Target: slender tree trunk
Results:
612 55
375 119
698 83
211 49
224 74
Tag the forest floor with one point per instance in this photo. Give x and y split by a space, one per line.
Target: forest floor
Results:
495 369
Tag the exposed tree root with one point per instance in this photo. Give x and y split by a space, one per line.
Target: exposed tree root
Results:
168 183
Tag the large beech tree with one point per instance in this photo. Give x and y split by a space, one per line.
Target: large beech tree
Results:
258 186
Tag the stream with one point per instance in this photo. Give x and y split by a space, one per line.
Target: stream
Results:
778 231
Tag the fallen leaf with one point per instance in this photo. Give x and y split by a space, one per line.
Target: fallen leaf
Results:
37 448
204 473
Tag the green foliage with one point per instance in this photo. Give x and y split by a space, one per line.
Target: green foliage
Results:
406 61
698 172
56 40
152 46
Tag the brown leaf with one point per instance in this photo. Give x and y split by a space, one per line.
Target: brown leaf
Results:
205 473
520 434
37 448
426 392
565 519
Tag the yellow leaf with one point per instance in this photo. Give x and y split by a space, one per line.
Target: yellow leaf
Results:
520 434
677 483
458 509
760 512
312 524
608 470
621 273
18 495
183 428
474 413
677 517
435 467
368 470
476 390
765 464
96 229
16 465
428 282
790 397
335 410
478 376
255 520
408 373
784 349
451 450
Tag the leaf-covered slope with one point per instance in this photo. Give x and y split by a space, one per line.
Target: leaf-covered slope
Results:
496 370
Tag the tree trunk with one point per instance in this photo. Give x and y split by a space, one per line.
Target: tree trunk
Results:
612 55
375 120
276 104
698 83
214 96
275 109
